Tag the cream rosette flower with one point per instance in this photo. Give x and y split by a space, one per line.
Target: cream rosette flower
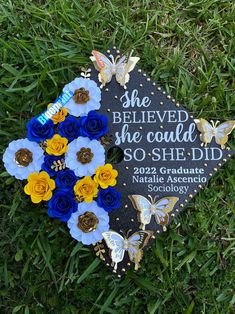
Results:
87 96
88 223
84 156
23 157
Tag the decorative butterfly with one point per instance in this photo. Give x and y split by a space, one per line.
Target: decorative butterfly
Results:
133 245
159 209
208 131
120 67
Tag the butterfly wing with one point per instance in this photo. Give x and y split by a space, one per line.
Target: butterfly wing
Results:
101 61
163 207
132 63
206 130
222 132
105 76
114 242
143 206
103 65
136 242
124 68
121 74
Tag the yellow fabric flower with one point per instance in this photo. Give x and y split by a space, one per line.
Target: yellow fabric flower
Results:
85 189
39 186
60 115
106 176
57 145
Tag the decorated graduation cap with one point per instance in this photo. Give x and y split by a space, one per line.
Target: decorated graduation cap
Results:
117 158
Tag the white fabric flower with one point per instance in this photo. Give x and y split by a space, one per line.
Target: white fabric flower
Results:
94 96
99 215
79 165
23 157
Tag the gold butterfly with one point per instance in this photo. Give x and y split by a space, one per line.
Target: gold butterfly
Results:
120 67
133 245
159 209
220 132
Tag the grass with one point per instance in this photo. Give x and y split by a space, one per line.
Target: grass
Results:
188 47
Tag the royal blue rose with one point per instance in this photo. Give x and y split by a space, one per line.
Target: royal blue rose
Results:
36 132
109 199
69 128
93 125
51 164
66 179
62 205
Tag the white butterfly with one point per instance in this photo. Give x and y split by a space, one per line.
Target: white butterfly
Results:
133 245
159 209
208 131
120 68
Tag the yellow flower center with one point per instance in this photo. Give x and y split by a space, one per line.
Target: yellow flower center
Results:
106 175
86 189
41 186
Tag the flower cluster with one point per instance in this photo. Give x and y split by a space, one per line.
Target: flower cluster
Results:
64 164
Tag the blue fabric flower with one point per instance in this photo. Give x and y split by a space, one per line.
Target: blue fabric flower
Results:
66 179
23 157
69 128
109 199
49 165
76 108
94 125
84 169
95 234
36 132
62 205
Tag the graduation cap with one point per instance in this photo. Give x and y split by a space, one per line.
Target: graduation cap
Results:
163 156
